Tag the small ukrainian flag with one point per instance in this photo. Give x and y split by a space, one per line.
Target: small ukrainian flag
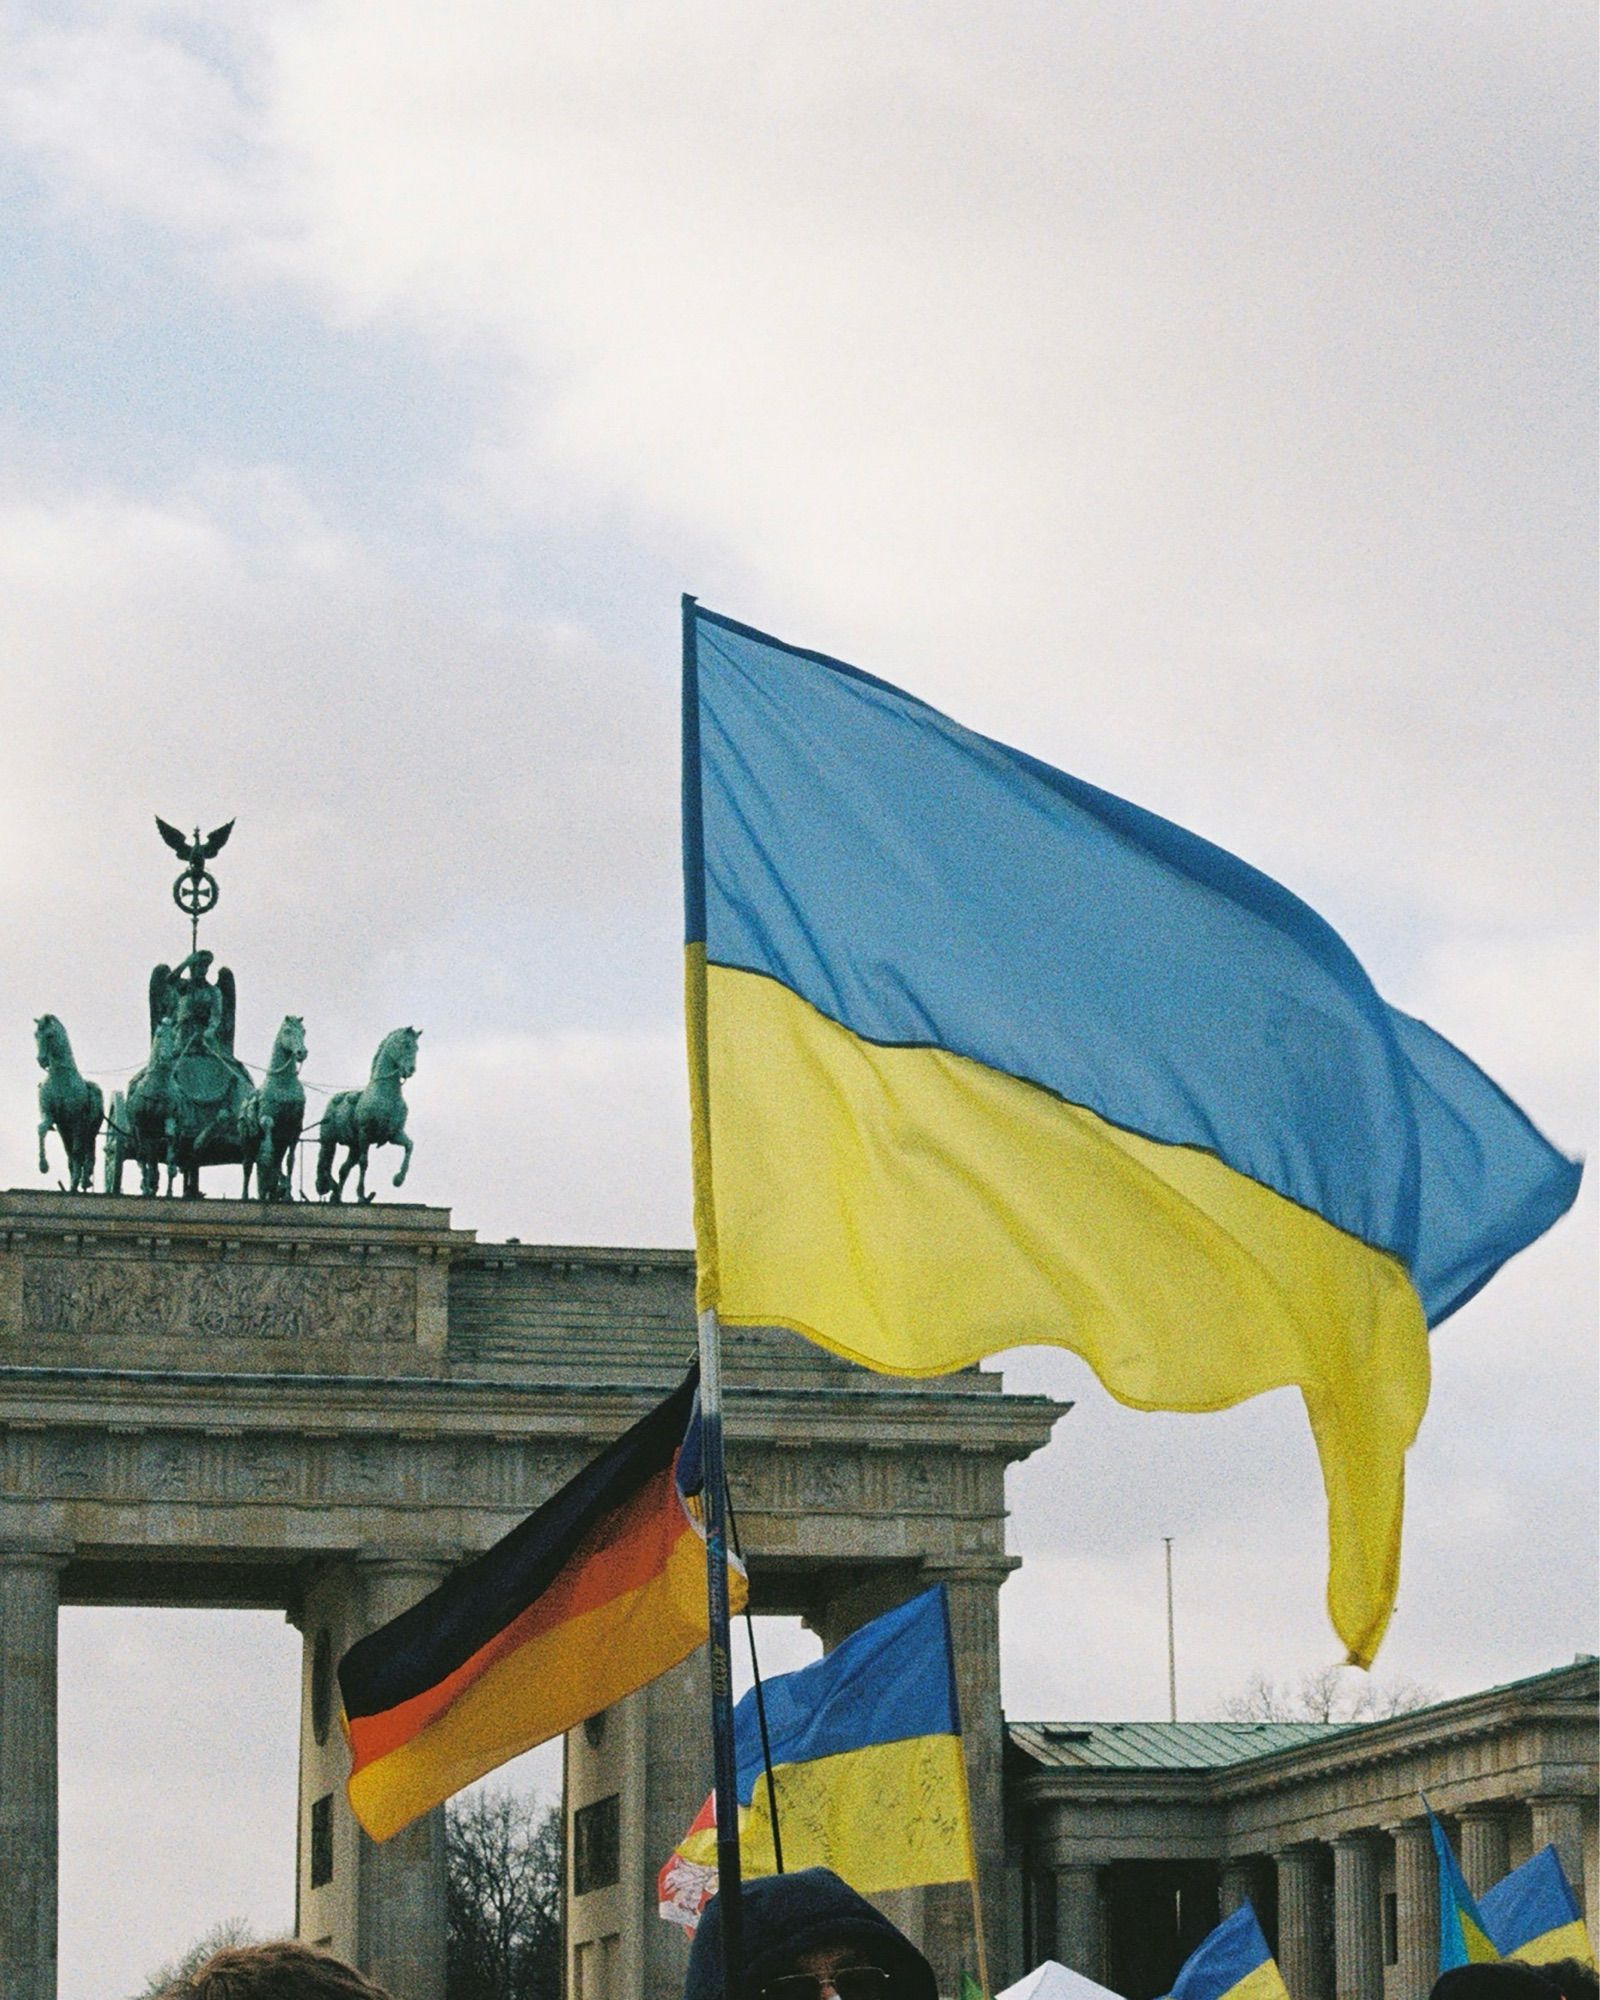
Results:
1463 1936
1232 1964
1533 1915
867 1768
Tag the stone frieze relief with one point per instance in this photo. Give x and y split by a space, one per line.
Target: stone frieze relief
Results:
107 1298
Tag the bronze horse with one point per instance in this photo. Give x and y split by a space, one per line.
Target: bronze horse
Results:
273 1114
143 1126
69 1102
362 1119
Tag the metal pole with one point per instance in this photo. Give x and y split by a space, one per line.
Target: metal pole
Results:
724 1766
761 1701
726 1783
1172 1643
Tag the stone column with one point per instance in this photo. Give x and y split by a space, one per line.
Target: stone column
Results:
1300 1921
401 1896
974 1594
652 1752
1416 1897
29 1597
1357 1921
1079 1942
1485 1847
1558 1823
1237 1883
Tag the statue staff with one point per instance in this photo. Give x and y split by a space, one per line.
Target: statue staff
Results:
195 891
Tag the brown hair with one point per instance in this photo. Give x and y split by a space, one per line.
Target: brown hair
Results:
284 1970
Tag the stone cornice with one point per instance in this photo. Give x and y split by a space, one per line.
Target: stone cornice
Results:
865 1417
578 1257
34 1216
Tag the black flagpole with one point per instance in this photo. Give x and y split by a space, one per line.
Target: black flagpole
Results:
720 1645
714 1489
761 1707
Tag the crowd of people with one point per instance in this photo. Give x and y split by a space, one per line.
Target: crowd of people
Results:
806 1936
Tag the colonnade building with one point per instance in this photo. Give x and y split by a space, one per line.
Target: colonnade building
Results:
1128 1841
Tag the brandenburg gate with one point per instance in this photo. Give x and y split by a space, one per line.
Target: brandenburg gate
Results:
319 1408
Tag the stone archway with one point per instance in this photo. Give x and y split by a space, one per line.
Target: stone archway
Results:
321 1409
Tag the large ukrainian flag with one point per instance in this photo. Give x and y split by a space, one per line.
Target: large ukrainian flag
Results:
982 1056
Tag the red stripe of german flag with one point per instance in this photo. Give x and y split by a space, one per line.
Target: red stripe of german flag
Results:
598 1592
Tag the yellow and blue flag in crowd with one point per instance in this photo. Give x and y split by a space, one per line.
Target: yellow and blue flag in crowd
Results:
1533 1915
867 1768
982 1056
1463 1935
1233 1963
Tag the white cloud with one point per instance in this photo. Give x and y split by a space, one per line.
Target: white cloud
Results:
1193 406
574 1137
413 779
123 117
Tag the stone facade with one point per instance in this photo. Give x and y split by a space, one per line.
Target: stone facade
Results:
321 1409
1128 1841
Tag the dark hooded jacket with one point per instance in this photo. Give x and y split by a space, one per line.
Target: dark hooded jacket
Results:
785 1915
1508 1980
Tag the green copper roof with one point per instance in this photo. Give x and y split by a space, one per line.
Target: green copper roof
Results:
1161 1746
1201 1746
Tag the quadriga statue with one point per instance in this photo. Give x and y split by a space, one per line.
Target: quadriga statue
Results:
194 1104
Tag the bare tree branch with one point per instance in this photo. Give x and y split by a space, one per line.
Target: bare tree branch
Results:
504 1855
1332 1694
231 1931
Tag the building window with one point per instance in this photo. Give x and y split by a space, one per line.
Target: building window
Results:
596 1845
1391 1930
322 1840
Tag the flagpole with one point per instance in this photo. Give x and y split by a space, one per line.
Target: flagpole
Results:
972 1879
966 1802
761 1705
725 1770
725 1787
1172 1642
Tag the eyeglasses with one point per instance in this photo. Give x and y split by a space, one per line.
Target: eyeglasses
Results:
850 1982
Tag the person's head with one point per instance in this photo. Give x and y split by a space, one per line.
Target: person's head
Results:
281 1971
807 1936
1571 1978
1511 1979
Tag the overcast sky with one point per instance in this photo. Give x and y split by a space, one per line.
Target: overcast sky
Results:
1196 395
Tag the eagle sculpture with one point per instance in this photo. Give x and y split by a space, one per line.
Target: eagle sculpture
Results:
197 851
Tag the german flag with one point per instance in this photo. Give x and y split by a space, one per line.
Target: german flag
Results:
593 1596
